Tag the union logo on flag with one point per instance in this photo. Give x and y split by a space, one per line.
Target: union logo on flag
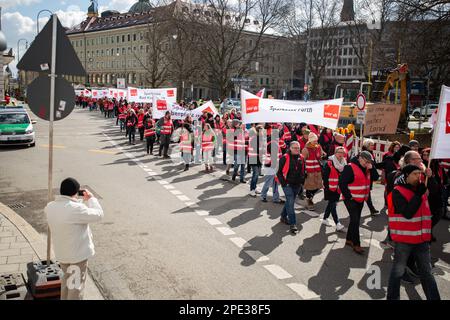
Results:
161 105
447 120
251 105
170 93
331 111
133 92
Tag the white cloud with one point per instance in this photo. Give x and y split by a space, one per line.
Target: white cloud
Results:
16 23
12 3
120 5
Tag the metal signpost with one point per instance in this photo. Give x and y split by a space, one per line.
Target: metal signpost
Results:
361 105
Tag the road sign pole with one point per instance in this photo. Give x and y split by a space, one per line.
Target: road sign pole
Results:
50 130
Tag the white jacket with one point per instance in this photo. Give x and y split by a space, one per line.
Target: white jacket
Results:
69 220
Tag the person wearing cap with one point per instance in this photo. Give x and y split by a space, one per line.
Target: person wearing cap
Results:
369 146
414 145
354 183
312 153
410 227
68 219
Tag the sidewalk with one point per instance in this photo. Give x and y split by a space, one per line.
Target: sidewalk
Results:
21 244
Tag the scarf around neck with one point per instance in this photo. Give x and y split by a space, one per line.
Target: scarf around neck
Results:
338 165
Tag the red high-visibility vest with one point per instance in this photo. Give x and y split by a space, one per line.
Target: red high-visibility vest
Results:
360 187
268 157
207 142
149 132
415 230
287 134
287 164
140 121
185 141
313 163
333 179
167 127
445 164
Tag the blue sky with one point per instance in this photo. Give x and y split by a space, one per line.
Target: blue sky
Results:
19 17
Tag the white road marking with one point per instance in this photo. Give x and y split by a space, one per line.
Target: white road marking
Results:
152 173
302 291
163 182
169 187
213 221
225 231
256 255
191 204
311 213
183 198
241 243
373 242
202 212
278 271
176 192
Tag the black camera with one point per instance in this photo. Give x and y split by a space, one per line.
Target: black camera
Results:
81 193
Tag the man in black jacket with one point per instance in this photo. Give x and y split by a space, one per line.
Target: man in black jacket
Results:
355 205
291 175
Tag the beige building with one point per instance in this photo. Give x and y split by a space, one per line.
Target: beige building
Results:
111 46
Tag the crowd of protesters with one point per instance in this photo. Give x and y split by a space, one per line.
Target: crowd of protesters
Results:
303 159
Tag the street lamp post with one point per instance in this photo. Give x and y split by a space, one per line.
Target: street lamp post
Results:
37 19
18 59
125 64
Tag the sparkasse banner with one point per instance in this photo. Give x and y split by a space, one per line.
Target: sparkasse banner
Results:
322 113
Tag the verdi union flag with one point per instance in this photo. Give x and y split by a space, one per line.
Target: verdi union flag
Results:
440 147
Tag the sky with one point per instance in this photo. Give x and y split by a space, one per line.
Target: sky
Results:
19 18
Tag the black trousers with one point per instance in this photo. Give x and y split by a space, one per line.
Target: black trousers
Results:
150 142
354 209
164 144
141 133
370 203
131 132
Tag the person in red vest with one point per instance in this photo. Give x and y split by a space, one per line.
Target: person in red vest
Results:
291 175
149 134
354 184
131 122
269 170
332 170
166 126
140 124
303 140
410 227
122 117
313 183
208 139
186 144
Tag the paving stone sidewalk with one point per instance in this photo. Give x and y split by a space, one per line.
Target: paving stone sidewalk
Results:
20 244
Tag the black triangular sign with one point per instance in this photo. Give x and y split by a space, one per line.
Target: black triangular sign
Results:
38 56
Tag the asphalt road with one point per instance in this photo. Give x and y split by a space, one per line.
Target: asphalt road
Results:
169 234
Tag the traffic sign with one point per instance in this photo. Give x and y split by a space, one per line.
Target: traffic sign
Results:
360 117
361 101
39 102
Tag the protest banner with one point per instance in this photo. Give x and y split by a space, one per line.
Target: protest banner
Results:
440 145
146 95
206 107
99 93
322 113
381 119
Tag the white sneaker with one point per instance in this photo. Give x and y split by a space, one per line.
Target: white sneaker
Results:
252 193
326 222
339 227
258 191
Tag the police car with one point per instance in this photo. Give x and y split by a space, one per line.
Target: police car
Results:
16 127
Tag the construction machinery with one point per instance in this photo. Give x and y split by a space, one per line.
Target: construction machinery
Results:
399 74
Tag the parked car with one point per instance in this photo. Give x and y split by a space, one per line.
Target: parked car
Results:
426 111
16 127
230 103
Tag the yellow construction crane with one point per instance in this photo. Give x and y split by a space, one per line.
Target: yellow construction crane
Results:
399 74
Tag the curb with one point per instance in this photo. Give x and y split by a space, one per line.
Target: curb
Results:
39 245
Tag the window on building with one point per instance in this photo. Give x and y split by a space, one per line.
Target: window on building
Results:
345 51
141 36
338 72
350 61
129 50
346 41
123 38
261 81
112 40
350 51
334 72
117 39
107 40
360 72
103 53
134 49
107 52
354 72
147 49
344 62
123 51
267 80
141 49
355 61
129 37
339 62
344 72
134 37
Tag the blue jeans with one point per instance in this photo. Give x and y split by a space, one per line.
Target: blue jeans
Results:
270 182
239 160
288 210
255 174
331 208
422 256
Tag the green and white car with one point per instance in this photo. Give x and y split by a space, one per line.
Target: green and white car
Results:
16 127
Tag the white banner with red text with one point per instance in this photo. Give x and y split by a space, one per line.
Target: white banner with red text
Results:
147 95
322 113
440 145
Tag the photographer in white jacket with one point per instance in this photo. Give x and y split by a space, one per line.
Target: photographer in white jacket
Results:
68 218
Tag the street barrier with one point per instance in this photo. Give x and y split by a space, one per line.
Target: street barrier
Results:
44 281
12 287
